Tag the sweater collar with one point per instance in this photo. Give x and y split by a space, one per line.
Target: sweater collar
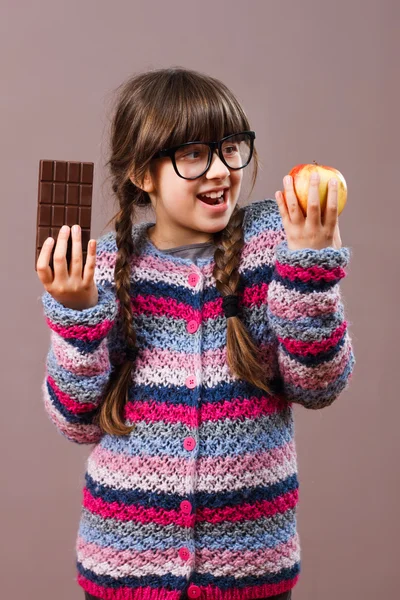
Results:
144 245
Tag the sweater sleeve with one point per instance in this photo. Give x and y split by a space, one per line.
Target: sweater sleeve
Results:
307 318
78 364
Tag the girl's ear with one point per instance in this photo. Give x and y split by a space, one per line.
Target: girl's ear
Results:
147 185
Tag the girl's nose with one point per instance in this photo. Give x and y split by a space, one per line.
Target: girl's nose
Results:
217 169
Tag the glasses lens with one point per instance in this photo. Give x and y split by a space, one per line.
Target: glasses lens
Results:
191 160
236 150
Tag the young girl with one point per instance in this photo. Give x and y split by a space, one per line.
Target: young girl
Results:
181 348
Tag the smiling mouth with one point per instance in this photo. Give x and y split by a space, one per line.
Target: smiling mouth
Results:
213 201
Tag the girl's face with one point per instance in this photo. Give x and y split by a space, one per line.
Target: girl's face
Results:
181 218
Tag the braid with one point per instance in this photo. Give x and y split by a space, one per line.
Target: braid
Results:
110 417
243 355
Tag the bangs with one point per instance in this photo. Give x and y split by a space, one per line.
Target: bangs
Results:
194 109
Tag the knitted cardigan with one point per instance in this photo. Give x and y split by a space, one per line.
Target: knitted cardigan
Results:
201 497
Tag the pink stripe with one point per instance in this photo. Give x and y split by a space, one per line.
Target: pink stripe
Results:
136 513
70 359
251 512
288 305
315 347
126 593
215 357
235 465
66 400
160 516
314 273
149 593
235 408
86 333
152 305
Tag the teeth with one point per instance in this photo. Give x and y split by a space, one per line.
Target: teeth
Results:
213 194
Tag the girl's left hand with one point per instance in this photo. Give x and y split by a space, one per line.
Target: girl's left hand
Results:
313 230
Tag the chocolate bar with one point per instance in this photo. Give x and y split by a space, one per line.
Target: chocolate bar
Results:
64 198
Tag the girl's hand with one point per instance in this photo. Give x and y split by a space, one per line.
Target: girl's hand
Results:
70 289
310 231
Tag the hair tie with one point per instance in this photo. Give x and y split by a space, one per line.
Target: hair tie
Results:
230 305
131 353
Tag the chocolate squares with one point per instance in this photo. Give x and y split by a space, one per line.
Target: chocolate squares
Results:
64 198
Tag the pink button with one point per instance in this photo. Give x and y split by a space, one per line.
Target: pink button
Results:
192 326
193 279
191 382
186 507
194 591
189 443
184 553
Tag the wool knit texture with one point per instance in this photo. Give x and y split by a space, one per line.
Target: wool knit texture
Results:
201 497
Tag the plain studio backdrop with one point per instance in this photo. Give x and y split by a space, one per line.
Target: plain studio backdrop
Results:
318 81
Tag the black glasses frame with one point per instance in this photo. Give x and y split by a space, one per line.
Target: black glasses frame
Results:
212 147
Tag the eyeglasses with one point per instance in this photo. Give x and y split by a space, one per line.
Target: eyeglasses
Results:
193 159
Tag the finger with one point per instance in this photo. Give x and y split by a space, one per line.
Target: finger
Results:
331 211
280 200
313 201
59 259
43 268
90 265
294 210
76 255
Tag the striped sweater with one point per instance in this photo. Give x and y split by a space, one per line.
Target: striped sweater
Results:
201 497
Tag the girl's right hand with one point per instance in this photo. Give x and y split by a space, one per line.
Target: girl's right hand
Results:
72 289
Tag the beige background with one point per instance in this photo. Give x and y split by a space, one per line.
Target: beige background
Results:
318 82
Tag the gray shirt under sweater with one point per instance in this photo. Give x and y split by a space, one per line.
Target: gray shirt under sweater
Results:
193 251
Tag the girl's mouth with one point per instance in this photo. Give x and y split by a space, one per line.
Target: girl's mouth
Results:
216 204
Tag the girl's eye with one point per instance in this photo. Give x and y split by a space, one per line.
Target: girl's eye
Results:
230 149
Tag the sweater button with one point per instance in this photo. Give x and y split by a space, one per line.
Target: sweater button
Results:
189 443
192 326
186 507
193 279
191 382
194 591
184 553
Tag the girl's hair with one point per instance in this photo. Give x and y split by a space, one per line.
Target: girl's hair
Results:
157 109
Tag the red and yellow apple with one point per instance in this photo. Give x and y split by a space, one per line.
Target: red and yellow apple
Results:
301 175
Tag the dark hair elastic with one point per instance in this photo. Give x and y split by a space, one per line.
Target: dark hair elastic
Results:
230 305
131 353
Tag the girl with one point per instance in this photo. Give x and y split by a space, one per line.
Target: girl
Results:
181 348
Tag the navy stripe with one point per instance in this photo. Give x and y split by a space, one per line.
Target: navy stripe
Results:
178 395
172 582
305 287
226 583
169 501
159 289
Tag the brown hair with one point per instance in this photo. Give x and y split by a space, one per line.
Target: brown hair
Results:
157 109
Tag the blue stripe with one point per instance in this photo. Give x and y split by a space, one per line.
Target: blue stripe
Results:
141 543
151 444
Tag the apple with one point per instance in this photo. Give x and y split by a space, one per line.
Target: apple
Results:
301 182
